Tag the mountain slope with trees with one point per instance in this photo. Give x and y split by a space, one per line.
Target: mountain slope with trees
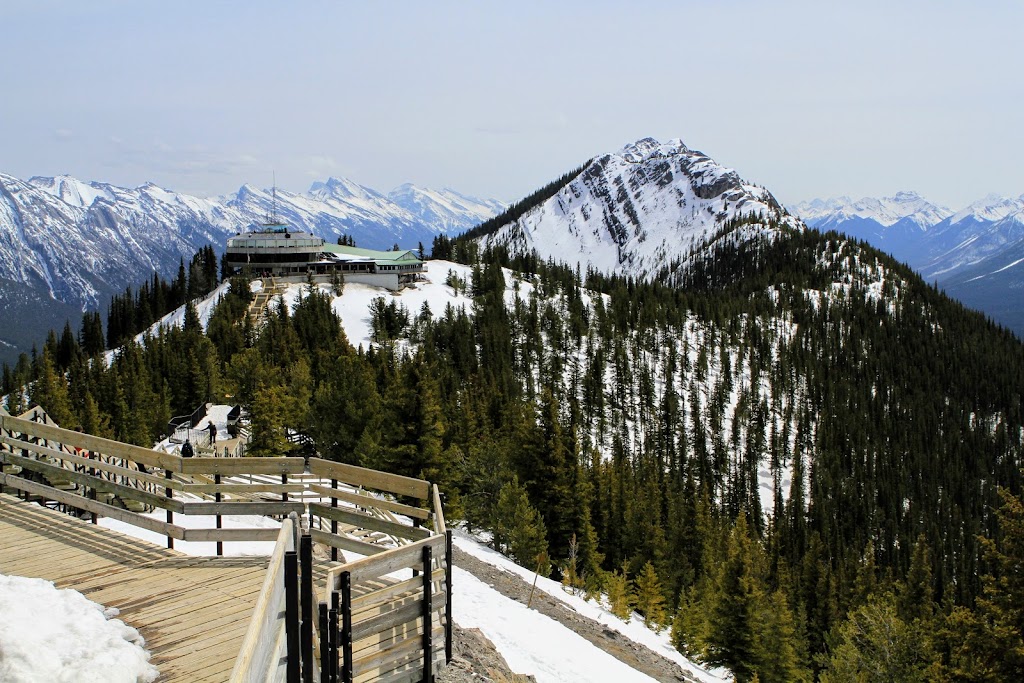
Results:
783 445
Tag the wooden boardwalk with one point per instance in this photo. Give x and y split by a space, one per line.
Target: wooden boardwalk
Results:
192 611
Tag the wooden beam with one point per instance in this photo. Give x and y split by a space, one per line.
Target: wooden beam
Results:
413 585
257 651
365 521
241 488
92 482
346 543
255 534
102 509
164 461
361 476
403 557
230 466
243 508
370 501
94 463
439 526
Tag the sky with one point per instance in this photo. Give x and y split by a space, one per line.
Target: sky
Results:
808 99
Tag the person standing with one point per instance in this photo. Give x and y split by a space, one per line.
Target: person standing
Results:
213 434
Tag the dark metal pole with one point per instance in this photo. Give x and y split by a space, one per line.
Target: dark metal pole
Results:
448 597
284 480
416 525
334 522
335 635
169 492
220 544
291 614
346 626
428 625
325 643
306 603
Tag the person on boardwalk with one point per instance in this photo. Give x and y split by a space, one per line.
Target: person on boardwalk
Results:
186 449
213 434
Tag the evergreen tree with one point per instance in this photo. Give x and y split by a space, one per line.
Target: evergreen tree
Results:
518 529
731 634
988 643
650 600
621 597
875 645
267 418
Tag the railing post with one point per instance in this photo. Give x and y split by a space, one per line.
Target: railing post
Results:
416 525
334 522
284 494
291 615
169 492
346 627
306 602
216 497
325 643
94 518
448 596
428 626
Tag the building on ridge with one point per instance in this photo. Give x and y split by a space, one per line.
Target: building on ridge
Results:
275 250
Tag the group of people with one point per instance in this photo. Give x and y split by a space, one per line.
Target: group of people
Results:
187 451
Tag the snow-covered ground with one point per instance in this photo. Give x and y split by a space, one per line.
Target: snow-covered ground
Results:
59 636
202 549
530 642
534 648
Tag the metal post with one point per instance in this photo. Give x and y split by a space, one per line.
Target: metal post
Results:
448 597
291 614
334 522
306 603
416 525
428 626
169 492
284 494
216 497
335 635
346 626
325 643
92 492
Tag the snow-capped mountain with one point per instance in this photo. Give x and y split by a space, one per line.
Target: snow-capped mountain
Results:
445 207
828 213
895 224
971 252
643 210
78 242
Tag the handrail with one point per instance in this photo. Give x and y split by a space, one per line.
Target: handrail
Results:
264 637
368 511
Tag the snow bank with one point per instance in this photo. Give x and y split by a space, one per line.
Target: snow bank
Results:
71 639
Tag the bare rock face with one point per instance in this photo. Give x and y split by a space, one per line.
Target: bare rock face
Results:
475 660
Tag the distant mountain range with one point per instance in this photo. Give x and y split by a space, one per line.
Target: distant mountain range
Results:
976 254
66 245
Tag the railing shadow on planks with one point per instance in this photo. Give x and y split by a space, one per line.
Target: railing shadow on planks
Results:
382 617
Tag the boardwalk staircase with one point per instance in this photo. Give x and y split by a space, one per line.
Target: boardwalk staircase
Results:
258 306
379 609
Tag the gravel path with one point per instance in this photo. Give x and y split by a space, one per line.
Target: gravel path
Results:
510 585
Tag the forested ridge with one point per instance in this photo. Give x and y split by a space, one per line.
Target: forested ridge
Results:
788 452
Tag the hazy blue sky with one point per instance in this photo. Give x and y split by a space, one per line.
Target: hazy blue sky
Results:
806 98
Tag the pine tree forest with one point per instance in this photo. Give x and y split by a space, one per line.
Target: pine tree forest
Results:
793 454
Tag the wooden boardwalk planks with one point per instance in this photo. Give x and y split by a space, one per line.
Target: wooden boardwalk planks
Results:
192 611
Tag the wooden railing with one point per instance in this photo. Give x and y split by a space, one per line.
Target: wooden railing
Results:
391 606
265 646
392 609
